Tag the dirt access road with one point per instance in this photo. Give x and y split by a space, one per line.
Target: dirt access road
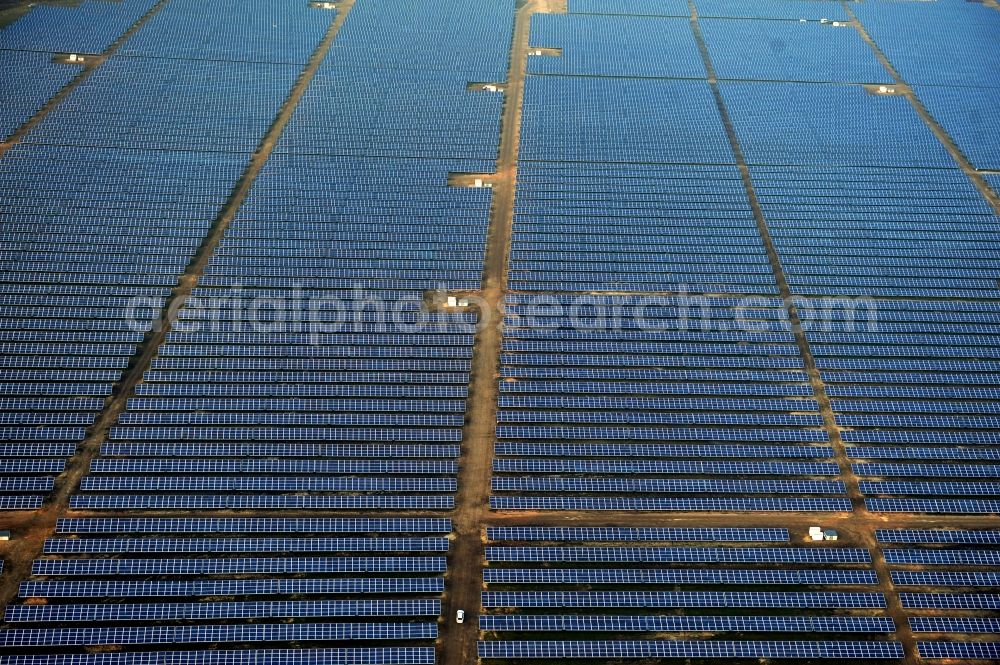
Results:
458 642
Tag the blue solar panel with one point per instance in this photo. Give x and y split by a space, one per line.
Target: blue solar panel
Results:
631 7
250 391
116 612
709 649
770 9
655 450
945 506
192 35
88 28
963 114
264 433
651 403
775 599
245 483
259 502
220 449
933 489
254 406
226 381
646 374
954 624
901 453
937 536
669 504
615 46
35 78
945 578
651 466
683 114
684 434
630 623
819 136
20 502
40 485
676 576
778 358
252 525
943 557
899 29
8 450
962 650
89 567
967 601
811 51
664 486
677 534
95 588
166 545
200 115
369 656
211 634
623 388
383 128
681 554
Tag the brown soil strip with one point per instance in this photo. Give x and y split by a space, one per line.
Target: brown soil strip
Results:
458 642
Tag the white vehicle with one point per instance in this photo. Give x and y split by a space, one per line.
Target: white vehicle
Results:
460 616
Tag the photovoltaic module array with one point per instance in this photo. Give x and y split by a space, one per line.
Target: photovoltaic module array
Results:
346 579
753 270
575 589
100 220
628 184
585 385
947 581
357 393
648 362
356 404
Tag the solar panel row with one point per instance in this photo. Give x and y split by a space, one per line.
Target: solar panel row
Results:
738 599
257 545
129 588
690 649
679 534
212 634
102 567
676 576
148 611
412 590
369 656
696 504
937 536
644 623
678 554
